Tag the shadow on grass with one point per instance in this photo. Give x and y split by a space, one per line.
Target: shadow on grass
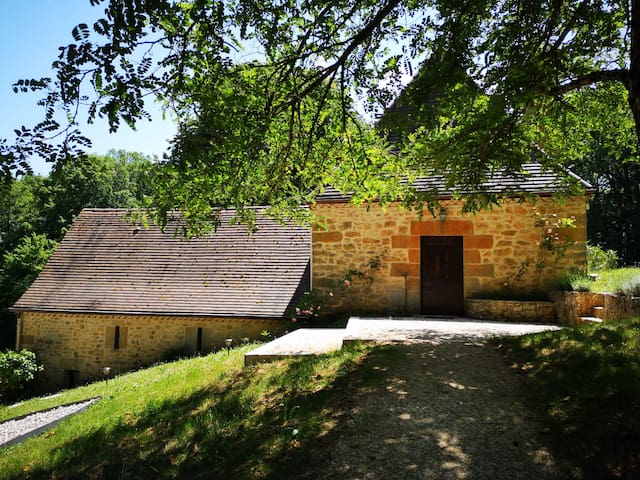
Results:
239 428
414 411
588 379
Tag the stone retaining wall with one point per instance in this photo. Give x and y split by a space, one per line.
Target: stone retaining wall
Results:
618 307
511 310
571 305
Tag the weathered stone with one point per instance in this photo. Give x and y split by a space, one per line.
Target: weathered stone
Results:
511 310
512 228
327 237
144 339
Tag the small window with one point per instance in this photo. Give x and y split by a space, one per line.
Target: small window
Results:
199 340
72 378
115 338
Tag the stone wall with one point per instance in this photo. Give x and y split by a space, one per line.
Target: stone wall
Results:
496 243
511 310
84 343
571 305
616 307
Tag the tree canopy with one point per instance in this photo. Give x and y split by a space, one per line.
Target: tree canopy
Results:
275 127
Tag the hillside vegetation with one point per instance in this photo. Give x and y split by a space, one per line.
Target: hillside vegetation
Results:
587 379
210 417
205 417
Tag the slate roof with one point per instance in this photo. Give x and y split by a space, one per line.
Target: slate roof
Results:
105 264
534 179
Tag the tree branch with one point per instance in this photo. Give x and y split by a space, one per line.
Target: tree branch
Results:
618 75
356 41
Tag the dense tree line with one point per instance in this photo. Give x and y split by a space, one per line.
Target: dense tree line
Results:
36 211
612 168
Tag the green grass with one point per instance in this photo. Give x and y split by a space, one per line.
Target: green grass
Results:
206 417
587 379
611 281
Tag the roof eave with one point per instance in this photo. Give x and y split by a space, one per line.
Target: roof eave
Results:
143 313
549 193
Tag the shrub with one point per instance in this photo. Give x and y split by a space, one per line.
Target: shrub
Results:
576 281
601 259
631 287
17 371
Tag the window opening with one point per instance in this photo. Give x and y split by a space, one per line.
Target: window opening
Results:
199 340
72 378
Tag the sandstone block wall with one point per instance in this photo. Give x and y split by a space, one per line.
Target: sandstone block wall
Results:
617 307
571 305
511 310
84 343
496 243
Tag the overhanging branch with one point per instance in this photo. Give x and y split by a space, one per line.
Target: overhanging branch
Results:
618 75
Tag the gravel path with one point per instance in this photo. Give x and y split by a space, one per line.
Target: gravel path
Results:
14 431
443 410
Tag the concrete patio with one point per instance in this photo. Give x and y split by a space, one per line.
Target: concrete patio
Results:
314 341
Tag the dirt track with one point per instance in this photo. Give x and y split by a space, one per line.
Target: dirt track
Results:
449 410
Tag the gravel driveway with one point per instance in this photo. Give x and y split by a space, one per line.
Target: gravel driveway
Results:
442 410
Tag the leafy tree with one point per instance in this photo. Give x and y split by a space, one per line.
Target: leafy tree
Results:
19 212
22 265
611 166
18 270
118 179
501 72
229 152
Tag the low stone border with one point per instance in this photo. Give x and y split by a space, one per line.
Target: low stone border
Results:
511 310
571 305
619 307
18 429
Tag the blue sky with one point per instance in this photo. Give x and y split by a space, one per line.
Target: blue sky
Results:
30 33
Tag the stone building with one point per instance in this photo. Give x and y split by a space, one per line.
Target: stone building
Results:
119 295
432 265
122 296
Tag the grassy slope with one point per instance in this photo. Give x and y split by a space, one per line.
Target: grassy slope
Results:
199 417
588 381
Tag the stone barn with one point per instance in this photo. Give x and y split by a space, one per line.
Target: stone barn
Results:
119 295
431 265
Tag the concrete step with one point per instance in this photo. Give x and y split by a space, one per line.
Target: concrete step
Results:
585 320
305 341
597 311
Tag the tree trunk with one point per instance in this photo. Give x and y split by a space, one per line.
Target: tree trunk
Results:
634 65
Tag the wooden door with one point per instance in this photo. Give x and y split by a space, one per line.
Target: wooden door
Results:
441 273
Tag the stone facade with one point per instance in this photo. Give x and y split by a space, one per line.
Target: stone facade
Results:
80 345
496 244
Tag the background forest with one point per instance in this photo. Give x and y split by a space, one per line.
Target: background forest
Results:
36 211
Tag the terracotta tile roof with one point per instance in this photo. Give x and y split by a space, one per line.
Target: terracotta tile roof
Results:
105 264
534 179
